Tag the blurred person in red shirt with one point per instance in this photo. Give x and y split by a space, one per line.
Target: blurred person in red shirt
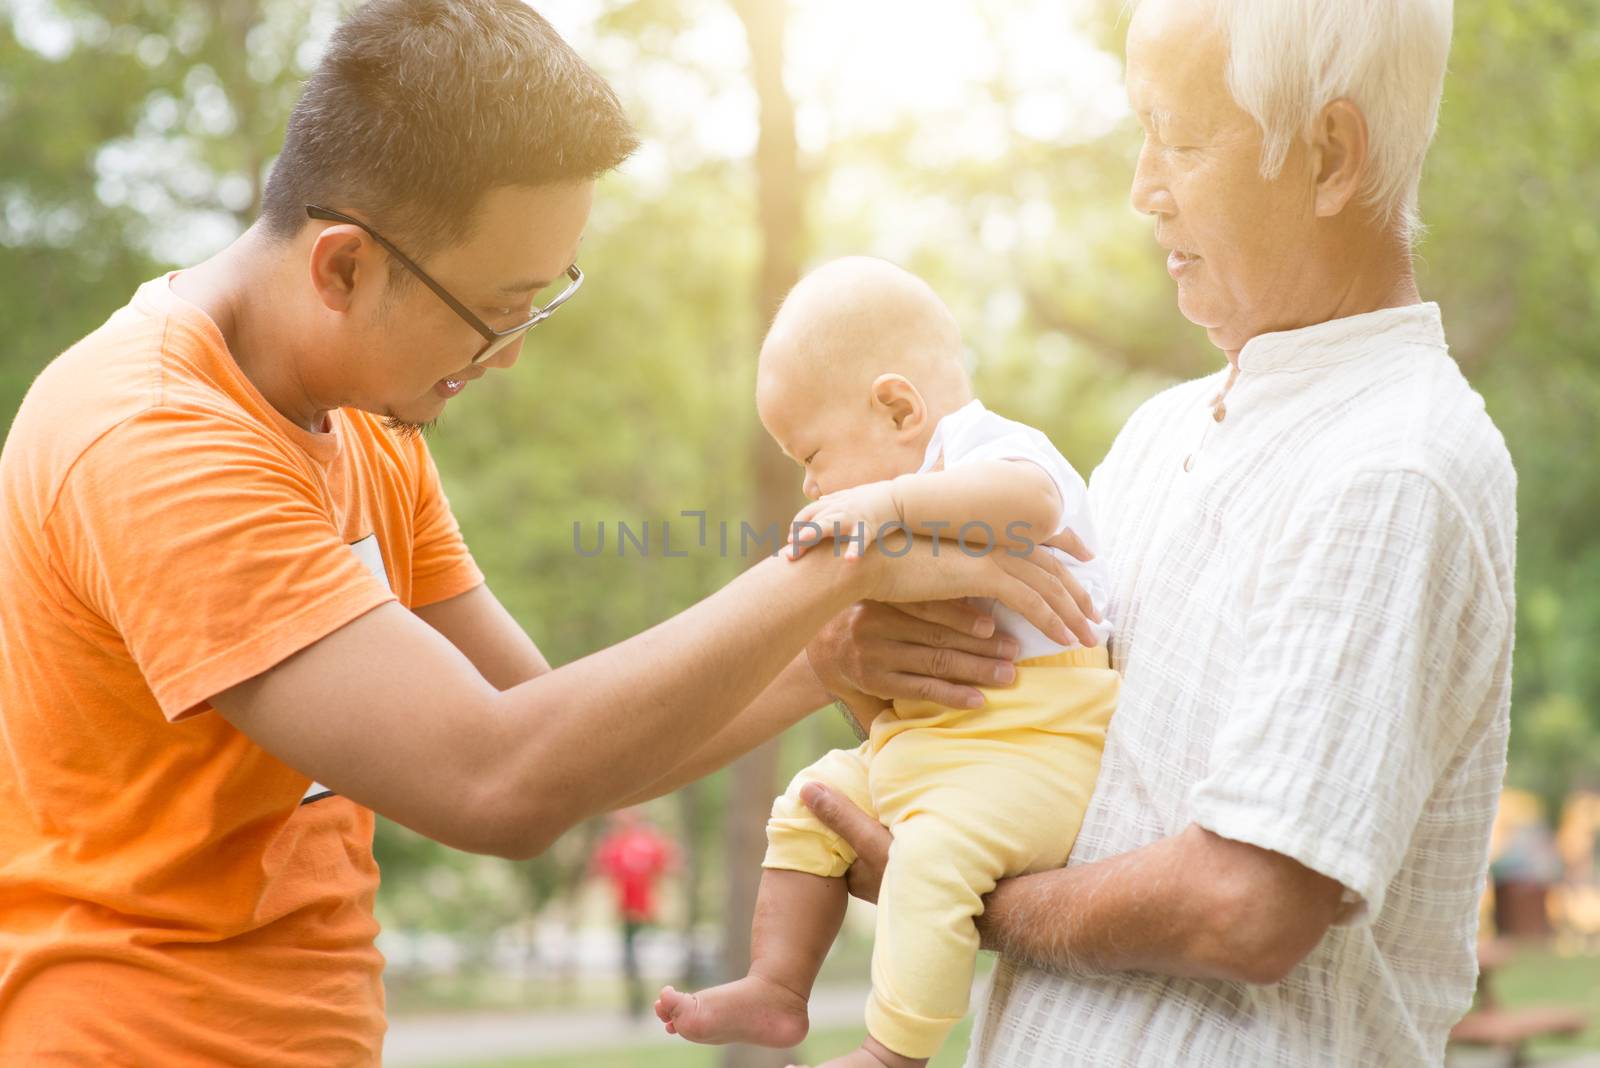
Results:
633 856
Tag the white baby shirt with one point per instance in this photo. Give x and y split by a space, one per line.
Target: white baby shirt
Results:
973 433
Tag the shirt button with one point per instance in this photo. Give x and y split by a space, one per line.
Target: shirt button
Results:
1188 462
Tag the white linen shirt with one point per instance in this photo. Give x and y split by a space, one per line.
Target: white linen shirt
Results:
1314 622
973 433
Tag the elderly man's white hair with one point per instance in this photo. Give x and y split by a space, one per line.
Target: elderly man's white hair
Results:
1288 59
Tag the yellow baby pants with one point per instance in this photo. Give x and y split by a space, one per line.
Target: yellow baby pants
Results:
972 796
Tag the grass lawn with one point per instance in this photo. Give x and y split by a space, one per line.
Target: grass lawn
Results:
819 1047
1533 977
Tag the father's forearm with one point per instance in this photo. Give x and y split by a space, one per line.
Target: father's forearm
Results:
578 740
1175 907
792 696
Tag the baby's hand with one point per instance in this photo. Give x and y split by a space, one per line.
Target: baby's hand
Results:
857 515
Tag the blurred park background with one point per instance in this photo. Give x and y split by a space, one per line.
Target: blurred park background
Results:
985 145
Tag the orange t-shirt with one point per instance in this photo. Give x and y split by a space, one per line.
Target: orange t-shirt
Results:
170 894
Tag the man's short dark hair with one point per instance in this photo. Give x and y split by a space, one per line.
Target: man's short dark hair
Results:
420 107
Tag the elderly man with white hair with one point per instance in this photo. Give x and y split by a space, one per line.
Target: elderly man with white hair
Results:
1312 556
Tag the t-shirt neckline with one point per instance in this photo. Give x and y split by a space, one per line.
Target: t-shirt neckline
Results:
322 446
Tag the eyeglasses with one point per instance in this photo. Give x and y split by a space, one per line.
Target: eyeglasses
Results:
493 340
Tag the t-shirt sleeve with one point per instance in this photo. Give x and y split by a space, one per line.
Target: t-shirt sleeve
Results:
1015 441
206 547
441 565
1375 637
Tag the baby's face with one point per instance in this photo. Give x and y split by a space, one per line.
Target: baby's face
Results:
838 441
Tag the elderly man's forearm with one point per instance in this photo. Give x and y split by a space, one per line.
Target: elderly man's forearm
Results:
1045 920
1193 905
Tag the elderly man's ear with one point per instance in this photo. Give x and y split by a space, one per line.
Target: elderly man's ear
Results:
1339 149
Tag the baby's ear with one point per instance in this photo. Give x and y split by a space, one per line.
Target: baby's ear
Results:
894 395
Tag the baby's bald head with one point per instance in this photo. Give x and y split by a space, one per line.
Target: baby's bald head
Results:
862 361
856 318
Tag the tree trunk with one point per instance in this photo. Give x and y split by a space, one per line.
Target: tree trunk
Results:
782 228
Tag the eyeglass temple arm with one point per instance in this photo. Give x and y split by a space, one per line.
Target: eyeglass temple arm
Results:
328 215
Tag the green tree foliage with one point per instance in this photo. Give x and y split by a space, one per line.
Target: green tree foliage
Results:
134 135
1512 196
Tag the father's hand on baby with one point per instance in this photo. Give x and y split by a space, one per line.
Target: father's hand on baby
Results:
1072 545
1083 612
1033 585
869 838
853 517
934 650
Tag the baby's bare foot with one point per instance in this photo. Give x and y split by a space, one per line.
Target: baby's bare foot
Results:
754 1010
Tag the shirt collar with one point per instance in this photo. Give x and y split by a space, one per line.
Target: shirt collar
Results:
1339 340
951 424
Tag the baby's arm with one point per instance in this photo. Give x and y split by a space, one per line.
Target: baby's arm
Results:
1015 502
1014 499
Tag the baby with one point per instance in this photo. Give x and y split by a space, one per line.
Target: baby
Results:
861 382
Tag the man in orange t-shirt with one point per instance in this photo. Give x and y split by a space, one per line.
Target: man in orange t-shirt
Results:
238 617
